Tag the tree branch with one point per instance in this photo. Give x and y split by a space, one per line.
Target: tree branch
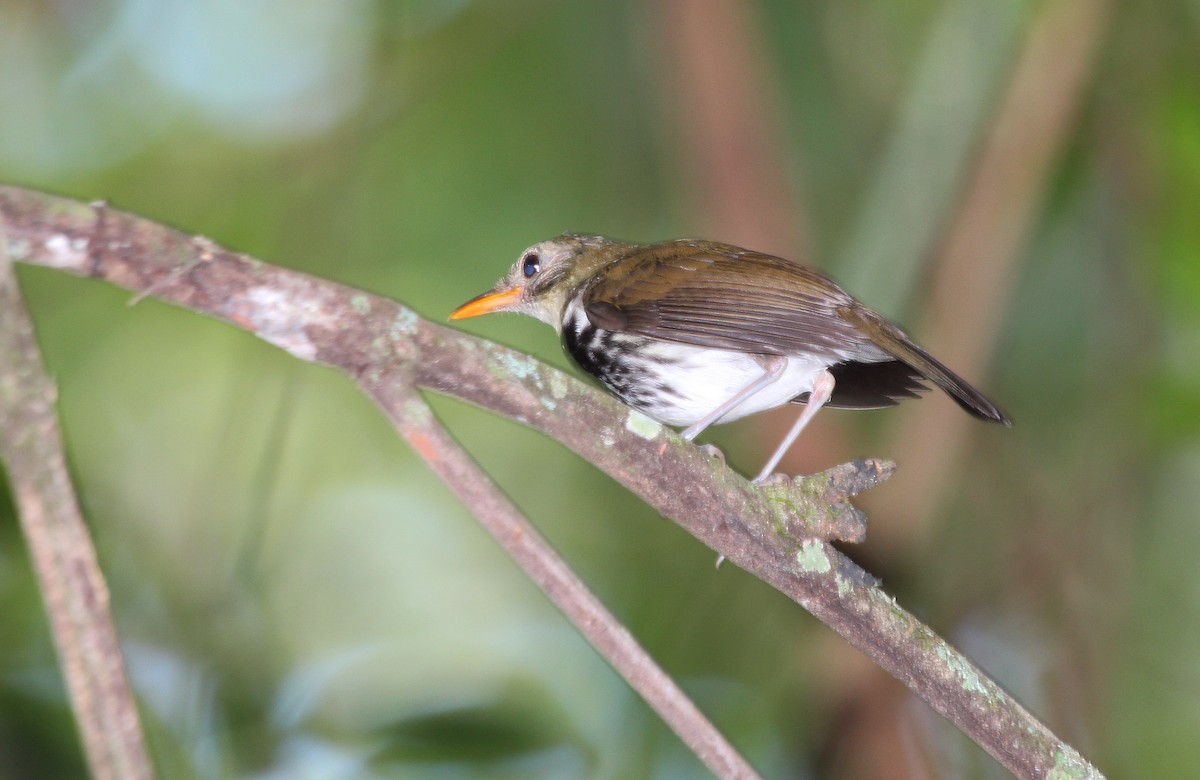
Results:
776 533
64 558
416 422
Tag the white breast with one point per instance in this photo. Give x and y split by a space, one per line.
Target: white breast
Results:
714 376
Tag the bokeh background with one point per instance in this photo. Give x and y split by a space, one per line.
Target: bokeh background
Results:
1016 182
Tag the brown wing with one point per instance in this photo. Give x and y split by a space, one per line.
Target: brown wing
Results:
720 296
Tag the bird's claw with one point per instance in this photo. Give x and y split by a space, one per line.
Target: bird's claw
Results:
774 478
714 453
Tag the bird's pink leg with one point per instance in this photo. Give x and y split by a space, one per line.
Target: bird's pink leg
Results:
821 393
773 366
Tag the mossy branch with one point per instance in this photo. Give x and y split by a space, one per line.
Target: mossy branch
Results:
779 534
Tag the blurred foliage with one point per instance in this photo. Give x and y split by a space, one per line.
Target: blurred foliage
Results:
299 598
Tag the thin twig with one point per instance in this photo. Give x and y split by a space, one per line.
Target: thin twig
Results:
64 558
416 422
775 534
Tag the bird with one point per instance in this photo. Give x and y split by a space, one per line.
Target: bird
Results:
694 332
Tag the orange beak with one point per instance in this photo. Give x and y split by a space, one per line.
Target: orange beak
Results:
487 303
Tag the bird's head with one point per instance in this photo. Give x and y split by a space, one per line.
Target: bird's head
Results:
544 277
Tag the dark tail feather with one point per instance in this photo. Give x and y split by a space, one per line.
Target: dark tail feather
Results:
874 385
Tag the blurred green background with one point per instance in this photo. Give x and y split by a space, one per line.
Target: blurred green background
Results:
1017 182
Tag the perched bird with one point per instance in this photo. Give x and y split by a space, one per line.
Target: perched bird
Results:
693 333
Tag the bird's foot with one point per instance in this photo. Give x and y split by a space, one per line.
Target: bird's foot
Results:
770 478
714 453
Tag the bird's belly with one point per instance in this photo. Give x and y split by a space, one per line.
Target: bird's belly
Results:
684 383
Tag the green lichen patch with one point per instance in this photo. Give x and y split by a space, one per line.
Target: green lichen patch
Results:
971 680
558 385
815 485
788 508
640 425
812 558
19 249
516 365
1069 765
405 323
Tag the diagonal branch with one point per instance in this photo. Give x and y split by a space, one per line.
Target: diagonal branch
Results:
777 533
416 422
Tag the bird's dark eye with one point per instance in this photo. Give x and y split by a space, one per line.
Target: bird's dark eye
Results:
531 264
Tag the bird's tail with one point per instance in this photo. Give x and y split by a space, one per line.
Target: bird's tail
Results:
894 341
